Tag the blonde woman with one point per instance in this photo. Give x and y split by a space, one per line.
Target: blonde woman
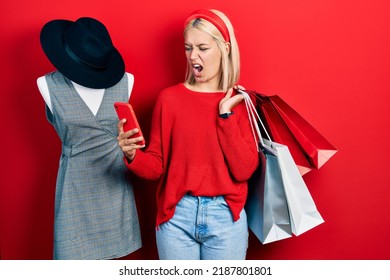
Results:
201 149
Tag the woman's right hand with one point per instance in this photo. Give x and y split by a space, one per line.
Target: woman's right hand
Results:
127 144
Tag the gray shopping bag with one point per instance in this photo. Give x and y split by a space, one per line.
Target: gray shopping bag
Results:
266 205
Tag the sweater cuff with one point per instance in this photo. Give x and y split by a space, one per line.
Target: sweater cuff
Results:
136 164
225 123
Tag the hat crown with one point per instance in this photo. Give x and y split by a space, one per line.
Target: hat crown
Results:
88 41
83 52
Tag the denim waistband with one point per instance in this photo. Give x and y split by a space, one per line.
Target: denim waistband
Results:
205 199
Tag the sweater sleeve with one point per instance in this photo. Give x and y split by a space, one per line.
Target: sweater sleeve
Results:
237 143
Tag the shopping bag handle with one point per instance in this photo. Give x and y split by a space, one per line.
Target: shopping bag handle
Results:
253 118
259 96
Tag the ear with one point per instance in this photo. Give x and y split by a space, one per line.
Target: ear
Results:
227 47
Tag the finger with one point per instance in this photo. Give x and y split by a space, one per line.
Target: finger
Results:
127 134
133 131
235 100
120 125
238 98
131 149
139 146
134 140
124 135
239 87
229 93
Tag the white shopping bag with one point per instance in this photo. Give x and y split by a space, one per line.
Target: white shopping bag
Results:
304 214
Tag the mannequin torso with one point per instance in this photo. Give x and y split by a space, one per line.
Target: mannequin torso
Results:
92 97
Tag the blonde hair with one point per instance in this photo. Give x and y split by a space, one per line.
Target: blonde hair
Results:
230 61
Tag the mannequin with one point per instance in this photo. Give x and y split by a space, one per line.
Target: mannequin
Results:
92 97
95 215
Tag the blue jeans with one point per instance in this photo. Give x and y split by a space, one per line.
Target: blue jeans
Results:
202 228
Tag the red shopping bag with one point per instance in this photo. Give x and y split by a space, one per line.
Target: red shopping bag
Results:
309 149
318 149
280 133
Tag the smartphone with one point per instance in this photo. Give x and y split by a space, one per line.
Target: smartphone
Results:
125 111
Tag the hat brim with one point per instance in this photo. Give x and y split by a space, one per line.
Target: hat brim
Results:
51 38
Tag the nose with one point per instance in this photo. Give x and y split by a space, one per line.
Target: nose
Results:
194 54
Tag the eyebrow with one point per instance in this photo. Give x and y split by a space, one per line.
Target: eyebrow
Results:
199 45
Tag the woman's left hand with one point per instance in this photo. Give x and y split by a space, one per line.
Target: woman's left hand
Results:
227 103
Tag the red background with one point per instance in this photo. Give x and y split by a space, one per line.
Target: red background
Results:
328 59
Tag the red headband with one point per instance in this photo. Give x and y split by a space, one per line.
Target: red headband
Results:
212 18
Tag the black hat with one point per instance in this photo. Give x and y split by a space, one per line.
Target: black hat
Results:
83 52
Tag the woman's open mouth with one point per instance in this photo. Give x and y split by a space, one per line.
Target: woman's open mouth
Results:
197 69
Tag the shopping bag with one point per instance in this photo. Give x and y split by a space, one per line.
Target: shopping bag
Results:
310 150
266 205
304 214
318 149
280 133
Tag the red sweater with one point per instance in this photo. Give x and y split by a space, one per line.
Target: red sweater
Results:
193 150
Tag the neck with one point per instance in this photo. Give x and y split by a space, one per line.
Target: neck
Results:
203 87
